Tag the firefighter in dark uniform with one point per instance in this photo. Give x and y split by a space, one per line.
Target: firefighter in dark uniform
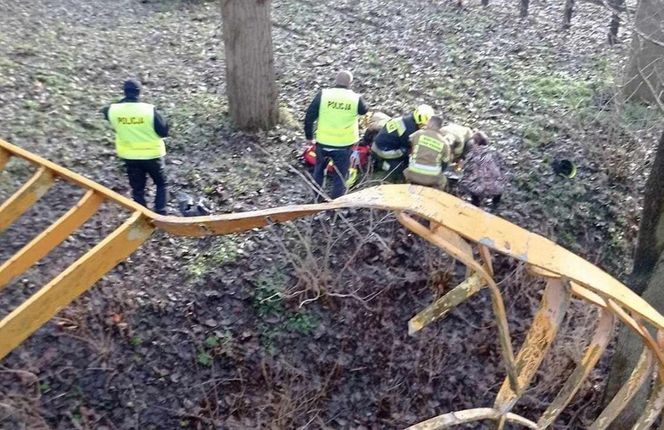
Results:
391 146
336 111
139 132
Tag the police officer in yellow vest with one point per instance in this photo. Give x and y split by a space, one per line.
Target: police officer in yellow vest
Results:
429 155
336 111
139 132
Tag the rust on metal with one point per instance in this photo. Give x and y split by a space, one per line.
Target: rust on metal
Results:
455 226
638 377
441 307
593 353
542 332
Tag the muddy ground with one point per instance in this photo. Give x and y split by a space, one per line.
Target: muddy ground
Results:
304 325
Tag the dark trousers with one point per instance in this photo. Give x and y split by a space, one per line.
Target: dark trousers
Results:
477 200
394 167
138 171
341 159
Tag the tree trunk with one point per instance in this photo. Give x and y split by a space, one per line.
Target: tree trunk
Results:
650 242
567 14
524 8
250 78
648 271
644 72
485 2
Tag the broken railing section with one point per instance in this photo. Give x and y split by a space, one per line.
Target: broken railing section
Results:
453 227
539 338
29 316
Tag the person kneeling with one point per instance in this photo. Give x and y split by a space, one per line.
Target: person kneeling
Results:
429 155
390 146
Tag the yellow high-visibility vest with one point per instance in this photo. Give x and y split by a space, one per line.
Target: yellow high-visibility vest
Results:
135 138
337 117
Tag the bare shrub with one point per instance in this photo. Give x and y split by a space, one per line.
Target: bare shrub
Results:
20 396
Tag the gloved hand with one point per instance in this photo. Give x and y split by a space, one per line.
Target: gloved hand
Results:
355 158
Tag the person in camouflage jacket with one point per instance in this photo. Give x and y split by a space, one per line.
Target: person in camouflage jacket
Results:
483 175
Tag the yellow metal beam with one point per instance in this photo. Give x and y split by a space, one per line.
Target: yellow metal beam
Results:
496 299
468 416
4 158
441 307
543 330
652 409
25 197
50 238
76 179
453 223
71 283
598 344
637 378
500 235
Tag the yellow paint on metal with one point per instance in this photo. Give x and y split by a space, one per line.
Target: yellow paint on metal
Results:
598 344
485 254
542 332
453 222
440 308
637 378
25 197
652 409
76 179
71 283
469 416
50 238
4 158
496 299
643 333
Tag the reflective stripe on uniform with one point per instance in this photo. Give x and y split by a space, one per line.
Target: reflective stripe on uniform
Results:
396 124
424 169
391 154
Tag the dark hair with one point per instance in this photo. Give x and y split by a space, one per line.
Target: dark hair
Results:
436 121
480 138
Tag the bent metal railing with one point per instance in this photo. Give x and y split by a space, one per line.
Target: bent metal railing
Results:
454 225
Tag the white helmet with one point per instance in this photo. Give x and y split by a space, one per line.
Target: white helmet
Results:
422 114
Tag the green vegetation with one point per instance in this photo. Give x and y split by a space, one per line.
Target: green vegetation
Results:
204 358
561 90
223 251
275 317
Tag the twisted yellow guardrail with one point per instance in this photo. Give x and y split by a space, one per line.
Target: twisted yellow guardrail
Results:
453 226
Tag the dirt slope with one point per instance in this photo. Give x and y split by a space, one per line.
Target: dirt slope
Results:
222 342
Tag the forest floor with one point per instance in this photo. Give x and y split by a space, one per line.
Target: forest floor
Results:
304 325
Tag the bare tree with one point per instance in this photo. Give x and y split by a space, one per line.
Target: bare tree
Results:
524 8
647 278
645 69
250 77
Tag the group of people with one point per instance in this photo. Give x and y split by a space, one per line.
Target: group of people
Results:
417 146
